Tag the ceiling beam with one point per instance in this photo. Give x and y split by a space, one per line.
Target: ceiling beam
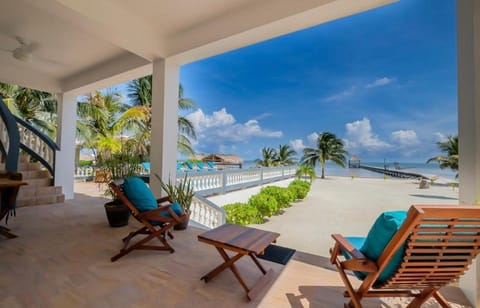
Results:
121 69
109 22
279 17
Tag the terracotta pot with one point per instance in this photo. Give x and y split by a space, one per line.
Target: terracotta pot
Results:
117 214
184 224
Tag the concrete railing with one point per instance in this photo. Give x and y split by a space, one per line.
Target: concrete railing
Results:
207 183
206 213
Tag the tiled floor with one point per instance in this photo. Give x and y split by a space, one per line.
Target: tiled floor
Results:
62 259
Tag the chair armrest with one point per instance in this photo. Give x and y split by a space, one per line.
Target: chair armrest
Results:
152 213
358 262
348 247
164 199
155 214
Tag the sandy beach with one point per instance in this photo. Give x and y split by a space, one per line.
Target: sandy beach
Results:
342 205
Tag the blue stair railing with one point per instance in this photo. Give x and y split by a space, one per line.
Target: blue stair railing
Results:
9 138
37 145
17 134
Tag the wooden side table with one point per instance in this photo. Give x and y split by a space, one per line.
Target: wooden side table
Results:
244 241
10 183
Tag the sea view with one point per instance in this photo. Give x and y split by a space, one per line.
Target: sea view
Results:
332 169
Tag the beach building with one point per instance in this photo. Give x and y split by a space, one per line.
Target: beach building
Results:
224 161
89 49
354 162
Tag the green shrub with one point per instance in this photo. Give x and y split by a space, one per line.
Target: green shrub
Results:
299 188
266 204
85 163
284 196
242 214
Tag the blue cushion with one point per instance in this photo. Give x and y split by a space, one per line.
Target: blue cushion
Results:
378 238
211 164
189 165
139 194
176 208
201 165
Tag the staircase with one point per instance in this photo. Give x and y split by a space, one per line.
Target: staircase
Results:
40 189
16 134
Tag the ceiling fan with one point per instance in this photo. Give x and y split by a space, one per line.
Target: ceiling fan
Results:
26 52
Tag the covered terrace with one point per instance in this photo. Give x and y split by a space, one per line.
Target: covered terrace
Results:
81 46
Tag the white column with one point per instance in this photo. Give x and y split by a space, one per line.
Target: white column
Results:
163 153
468 31
65 157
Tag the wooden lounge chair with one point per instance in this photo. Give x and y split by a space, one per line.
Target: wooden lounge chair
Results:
435 245
156 224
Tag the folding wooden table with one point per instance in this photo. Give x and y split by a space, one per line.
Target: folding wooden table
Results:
243 241
8 195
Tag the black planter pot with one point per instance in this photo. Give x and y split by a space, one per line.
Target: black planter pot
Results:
184 224
117 213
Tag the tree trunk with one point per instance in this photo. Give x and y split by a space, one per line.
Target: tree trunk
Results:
323 172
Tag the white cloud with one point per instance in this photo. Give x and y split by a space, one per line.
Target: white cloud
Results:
405 137
360 136
379 82
440 137
297 145
217 119
340 96
313 137
221 128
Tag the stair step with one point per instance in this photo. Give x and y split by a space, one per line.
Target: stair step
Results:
23 158
49 199
37 195
36 174
28 191
39 182
29 166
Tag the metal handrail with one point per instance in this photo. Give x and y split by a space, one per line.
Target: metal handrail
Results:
9 137
45 148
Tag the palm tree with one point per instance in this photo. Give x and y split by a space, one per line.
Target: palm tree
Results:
139 117
450 148
285 155
269 158
329 147
305 171
36 107
97 123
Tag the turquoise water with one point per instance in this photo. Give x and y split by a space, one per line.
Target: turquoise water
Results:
332 169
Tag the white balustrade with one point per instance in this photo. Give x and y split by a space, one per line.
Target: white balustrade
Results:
206 213
36 144
4 137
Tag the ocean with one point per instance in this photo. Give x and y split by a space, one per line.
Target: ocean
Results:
332 169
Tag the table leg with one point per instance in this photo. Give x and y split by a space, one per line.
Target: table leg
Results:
6 232
222 266
254 258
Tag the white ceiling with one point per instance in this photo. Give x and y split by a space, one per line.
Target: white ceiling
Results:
79 42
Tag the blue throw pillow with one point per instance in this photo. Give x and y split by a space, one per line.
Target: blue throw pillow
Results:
176 208
378 238
139 194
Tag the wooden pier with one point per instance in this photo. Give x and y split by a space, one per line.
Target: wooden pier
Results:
393 173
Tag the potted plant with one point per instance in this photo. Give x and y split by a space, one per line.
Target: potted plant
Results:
182 194
118 166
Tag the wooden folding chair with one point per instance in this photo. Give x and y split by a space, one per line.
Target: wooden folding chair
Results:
154 224
439 244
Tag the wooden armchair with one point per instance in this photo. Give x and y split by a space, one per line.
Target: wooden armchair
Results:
436 243
156 224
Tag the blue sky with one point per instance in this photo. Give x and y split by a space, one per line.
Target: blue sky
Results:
384 81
